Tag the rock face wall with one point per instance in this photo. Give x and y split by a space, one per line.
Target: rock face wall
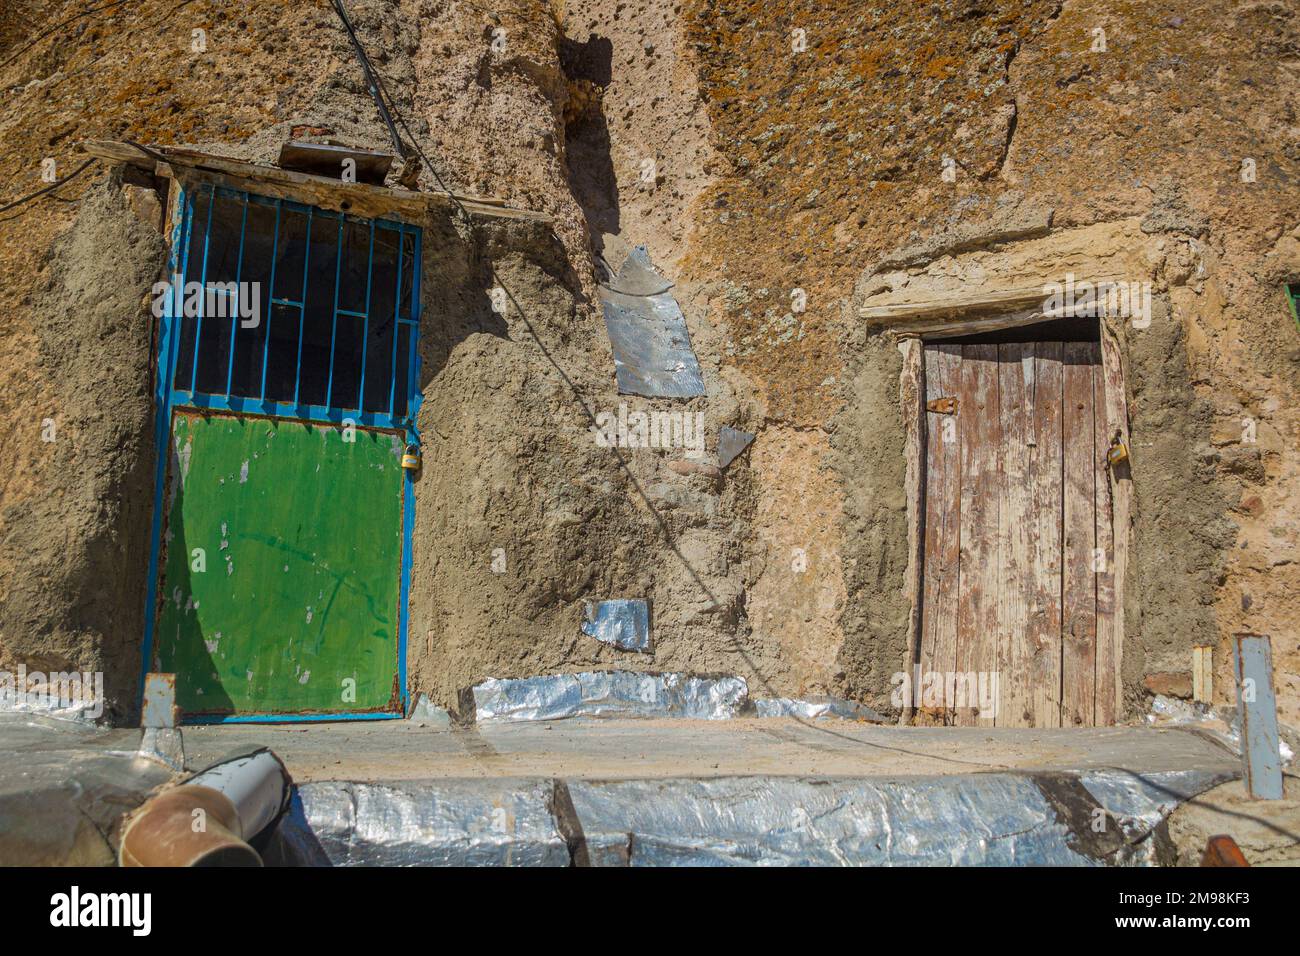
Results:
785 162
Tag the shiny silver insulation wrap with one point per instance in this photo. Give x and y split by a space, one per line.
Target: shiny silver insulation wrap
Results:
813 708
993 819
609 694
435 823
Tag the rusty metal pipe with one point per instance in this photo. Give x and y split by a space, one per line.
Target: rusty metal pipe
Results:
189 825
209 820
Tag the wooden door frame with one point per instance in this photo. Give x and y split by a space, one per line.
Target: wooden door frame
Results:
913 331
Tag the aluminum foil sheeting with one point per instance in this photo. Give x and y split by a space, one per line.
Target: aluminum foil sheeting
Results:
995 819
53 701
1221 723
1136 803
609 694
165 746
65 788
989 819
494 822
986 819
623 623
814 708
647 331
426 714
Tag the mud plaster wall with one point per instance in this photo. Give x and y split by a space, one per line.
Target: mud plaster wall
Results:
76 546
868 440
511 461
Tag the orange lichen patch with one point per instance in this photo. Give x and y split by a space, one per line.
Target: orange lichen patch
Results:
868 63
941 66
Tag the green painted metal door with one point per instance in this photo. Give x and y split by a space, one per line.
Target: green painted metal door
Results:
280 587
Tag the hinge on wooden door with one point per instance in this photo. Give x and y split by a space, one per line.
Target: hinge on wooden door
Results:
943 406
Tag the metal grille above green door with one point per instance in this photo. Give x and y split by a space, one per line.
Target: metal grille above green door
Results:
336 301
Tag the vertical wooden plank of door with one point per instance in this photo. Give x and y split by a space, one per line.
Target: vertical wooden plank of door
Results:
942 528
1079 597
1045 537
1016 378
977 601
1107 665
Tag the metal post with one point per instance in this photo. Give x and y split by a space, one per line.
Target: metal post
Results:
1257 708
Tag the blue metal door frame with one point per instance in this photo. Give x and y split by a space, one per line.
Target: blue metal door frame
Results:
400 417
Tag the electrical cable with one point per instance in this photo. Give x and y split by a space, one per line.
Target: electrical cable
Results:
591 417
372 78
50 188
59 26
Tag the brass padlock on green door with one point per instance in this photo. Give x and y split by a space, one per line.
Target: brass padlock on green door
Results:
411 457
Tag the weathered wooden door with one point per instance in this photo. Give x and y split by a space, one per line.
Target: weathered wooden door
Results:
1018 609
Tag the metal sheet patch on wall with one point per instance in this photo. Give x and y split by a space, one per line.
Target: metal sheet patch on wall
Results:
623 623
1257 705
731 443
652 349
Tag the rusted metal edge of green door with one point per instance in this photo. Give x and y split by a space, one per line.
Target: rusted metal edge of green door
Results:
280 586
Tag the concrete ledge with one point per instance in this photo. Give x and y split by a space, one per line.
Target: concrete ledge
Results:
676 748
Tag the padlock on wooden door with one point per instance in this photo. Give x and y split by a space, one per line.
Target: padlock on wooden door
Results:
943 406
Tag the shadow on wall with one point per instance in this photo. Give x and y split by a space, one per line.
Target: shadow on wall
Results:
456 300
179 638
457 285
587 140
